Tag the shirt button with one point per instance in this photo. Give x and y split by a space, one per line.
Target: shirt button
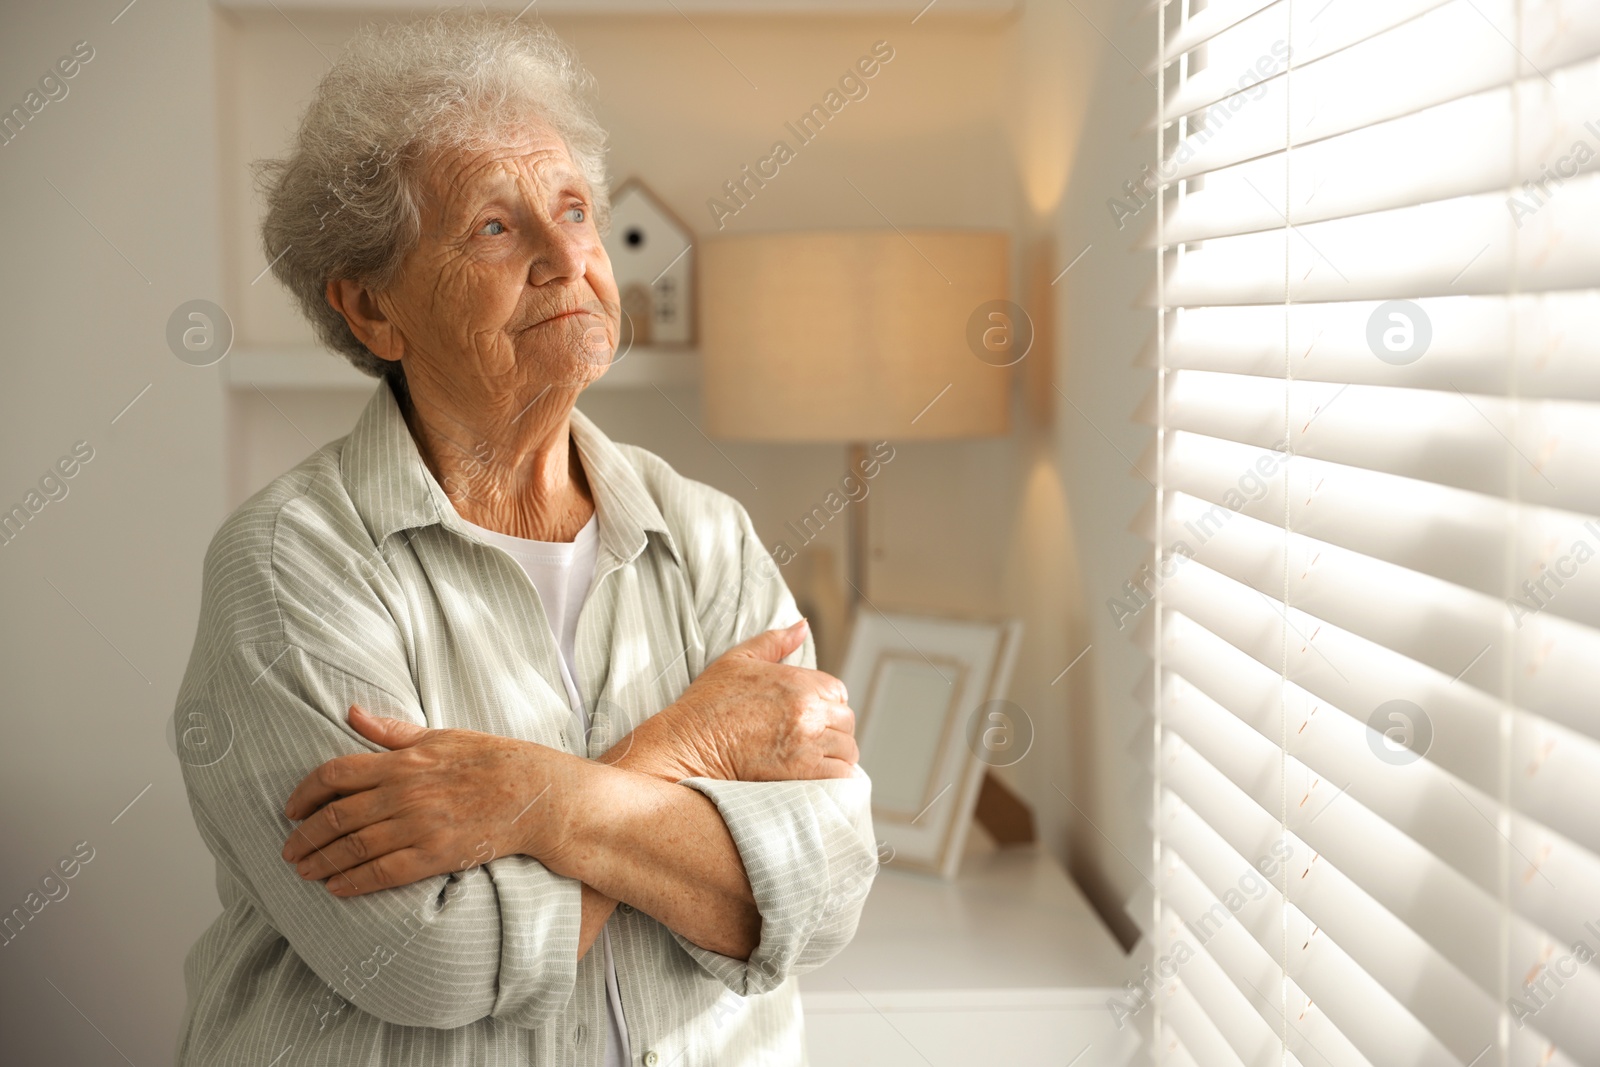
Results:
579 1033
626 909
651 1059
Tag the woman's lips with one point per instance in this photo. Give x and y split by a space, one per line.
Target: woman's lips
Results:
558 317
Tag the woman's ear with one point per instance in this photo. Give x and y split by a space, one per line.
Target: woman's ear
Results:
361 310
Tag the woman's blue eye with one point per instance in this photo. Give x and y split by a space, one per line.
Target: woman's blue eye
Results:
493 232
579 212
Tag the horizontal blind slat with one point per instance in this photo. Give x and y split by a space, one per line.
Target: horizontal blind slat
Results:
1466 441
1397 163
1551 339
1465 245
1210 21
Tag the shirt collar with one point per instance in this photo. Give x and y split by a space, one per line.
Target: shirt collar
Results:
393 489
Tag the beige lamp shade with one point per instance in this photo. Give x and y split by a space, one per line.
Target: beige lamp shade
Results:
851 335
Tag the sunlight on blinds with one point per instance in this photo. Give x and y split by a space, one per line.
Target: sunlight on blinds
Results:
1374 590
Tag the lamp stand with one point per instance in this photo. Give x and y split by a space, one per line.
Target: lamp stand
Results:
856 534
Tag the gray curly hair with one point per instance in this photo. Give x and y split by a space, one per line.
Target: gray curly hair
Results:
346 203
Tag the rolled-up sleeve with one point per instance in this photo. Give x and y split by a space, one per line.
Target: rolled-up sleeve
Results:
257 714
808 851
807 846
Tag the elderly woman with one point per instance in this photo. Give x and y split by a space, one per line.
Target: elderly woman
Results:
516 753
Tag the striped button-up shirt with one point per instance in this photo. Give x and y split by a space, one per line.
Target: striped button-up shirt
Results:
352 580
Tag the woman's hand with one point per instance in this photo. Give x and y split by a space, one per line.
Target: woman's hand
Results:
749 717
441 801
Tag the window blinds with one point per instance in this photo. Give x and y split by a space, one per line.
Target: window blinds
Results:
1374 594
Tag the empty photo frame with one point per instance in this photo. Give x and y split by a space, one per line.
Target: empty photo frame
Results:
920 687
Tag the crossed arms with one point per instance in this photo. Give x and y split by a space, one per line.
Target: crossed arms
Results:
442 801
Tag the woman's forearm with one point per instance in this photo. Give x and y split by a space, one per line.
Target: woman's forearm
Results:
658 846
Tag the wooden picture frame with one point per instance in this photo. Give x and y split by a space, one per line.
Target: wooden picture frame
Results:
919 685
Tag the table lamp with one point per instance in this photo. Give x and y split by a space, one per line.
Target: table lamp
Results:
856 336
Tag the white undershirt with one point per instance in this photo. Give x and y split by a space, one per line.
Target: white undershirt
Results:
562 572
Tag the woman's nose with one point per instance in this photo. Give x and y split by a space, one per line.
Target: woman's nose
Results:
559 256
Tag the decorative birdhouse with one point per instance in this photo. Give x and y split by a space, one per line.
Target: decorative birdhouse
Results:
652 257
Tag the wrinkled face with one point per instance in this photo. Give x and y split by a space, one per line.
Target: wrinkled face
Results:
509 288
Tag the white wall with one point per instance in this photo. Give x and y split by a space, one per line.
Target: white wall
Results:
100 590
1078 136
